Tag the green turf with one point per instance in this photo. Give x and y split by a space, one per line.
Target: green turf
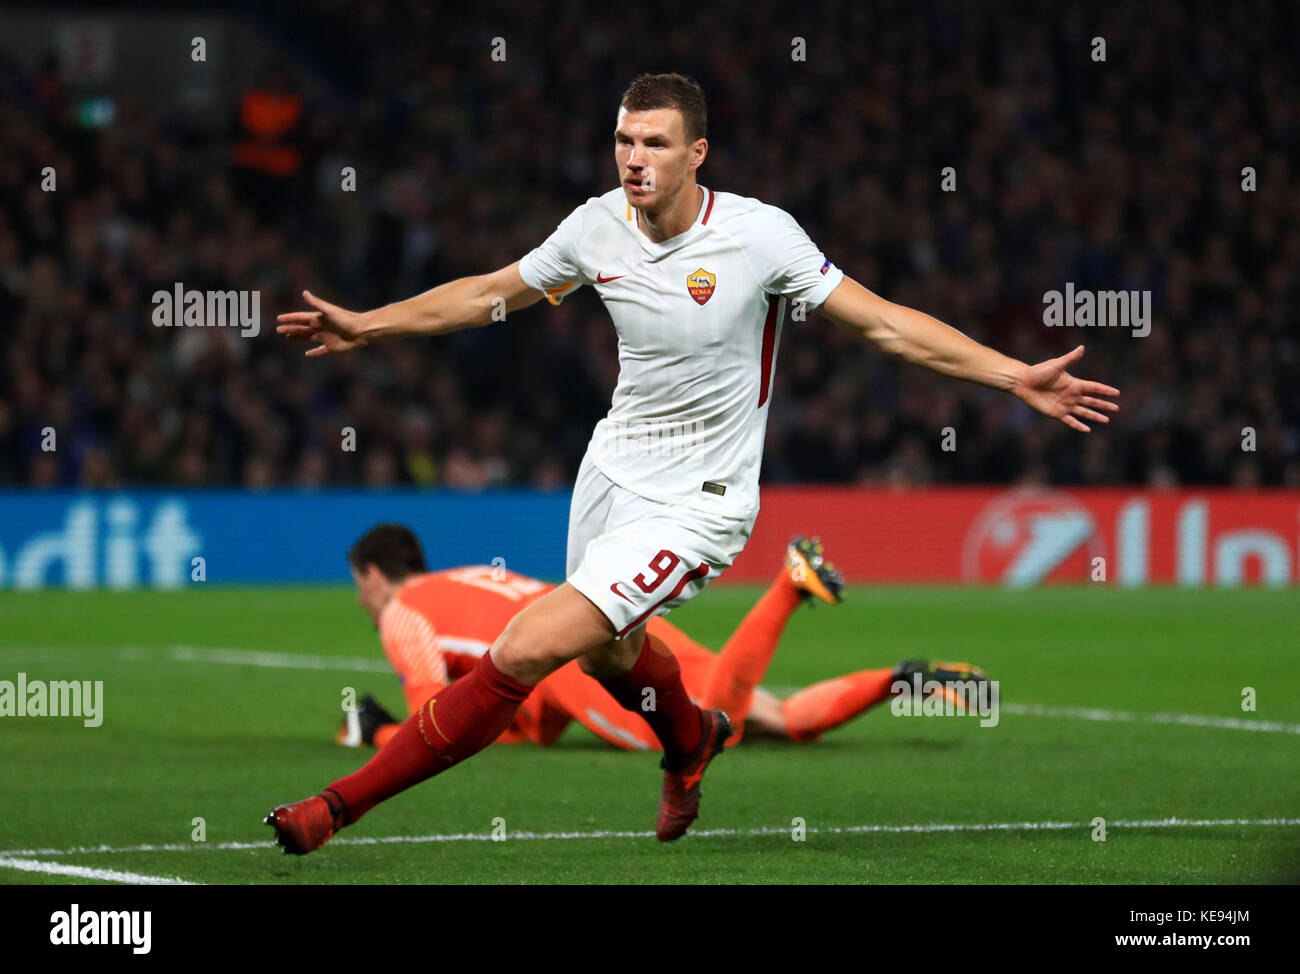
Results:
182 740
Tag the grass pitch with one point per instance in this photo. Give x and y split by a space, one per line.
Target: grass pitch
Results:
1123 705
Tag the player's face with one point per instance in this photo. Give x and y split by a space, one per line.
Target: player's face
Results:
654 158
371 590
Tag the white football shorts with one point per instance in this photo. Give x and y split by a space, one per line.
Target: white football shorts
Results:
636 558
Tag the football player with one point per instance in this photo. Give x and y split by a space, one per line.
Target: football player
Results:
697 283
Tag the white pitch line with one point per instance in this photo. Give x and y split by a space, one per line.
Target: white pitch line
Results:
933 827
85 872
1124 716
201 654
306 661
286 661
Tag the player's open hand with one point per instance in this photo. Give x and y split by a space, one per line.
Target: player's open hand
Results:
1054 392
334 328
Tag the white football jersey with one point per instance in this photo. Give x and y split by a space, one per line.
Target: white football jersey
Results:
699 321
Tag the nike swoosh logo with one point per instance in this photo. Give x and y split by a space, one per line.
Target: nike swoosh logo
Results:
606 280
614 588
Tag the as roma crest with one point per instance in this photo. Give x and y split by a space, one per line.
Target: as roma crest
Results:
701 285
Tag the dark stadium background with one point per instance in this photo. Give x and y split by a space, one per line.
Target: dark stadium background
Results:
1125 174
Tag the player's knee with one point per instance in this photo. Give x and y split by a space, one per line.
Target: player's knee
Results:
527 652
611 659
598 664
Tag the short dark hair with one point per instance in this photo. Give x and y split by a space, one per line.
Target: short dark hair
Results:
650 91
392 548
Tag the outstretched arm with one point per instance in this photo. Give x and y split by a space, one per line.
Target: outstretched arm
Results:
464 303
923 340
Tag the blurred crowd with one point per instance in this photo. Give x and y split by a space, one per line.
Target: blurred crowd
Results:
1125 173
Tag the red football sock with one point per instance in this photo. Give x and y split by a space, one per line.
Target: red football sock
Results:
674 718
818 708
456 722
744 659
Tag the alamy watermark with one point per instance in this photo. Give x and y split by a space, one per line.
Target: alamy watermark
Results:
77 927
1098 309
917 697
208 309
649 438
53 698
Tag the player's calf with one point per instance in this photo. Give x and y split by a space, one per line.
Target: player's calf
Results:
653 689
